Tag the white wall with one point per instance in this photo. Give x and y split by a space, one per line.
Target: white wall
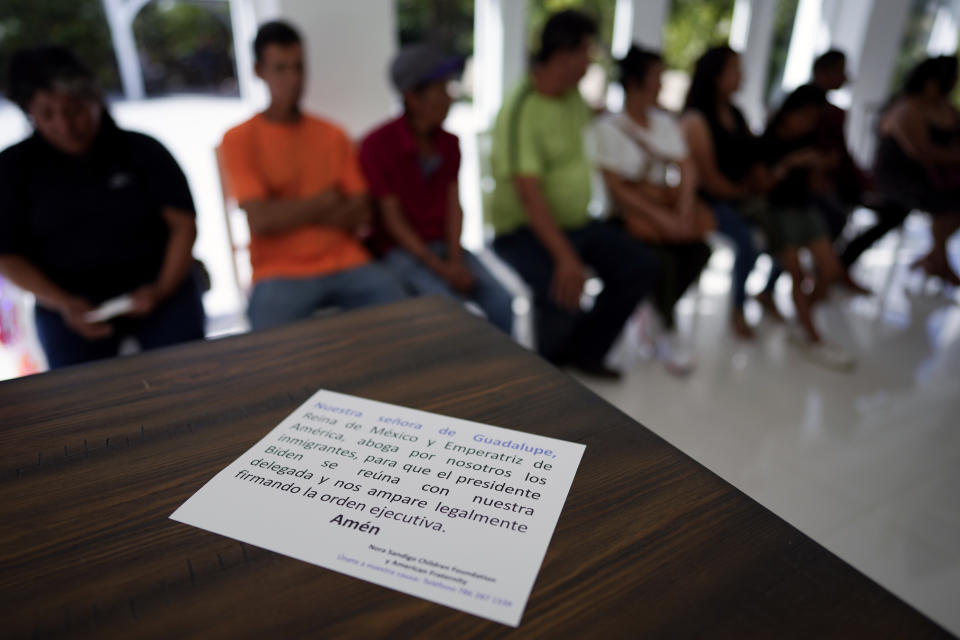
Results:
349 45
885 21
500 53
245 17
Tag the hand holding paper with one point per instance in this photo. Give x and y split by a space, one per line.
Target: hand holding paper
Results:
110 309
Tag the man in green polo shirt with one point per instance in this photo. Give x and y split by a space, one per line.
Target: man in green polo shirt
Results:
539 206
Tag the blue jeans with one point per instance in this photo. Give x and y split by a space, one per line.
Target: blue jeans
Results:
179 318
279 301
627 267
495 301
732 225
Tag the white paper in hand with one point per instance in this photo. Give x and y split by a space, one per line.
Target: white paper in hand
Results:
110 309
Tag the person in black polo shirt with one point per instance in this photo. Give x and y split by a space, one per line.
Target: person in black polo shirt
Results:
88 213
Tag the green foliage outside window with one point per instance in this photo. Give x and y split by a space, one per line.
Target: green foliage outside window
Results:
783 19
692 27
602 11
913 49
916 34
446 22
186 46
183 45
78 24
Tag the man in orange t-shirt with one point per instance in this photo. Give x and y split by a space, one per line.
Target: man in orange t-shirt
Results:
299 181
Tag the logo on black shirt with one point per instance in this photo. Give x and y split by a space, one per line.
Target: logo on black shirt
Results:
120 180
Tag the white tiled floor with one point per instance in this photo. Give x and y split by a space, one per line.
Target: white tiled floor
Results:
867 463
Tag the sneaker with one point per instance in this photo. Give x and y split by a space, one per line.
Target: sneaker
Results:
831 356
674 354
647 330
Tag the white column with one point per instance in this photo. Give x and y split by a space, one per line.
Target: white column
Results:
848 29
243 21
943 35
500 53
622 28
515 54
635 21
649 16
811 36
872 66
246 16
120 15
751 34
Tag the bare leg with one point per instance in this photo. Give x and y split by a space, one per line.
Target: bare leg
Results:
847 280
936 262
829 269
740 326
790 260
766 300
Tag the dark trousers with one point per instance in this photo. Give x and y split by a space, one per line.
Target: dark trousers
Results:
628 270
889 217
177 319
680 265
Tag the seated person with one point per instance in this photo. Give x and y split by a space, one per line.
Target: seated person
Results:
794 222
841 186
724 151
918 159
297 178
540 207
90 212
652 182
411 165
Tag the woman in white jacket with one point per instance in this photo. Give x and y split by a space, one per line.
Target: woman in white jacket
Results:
652 183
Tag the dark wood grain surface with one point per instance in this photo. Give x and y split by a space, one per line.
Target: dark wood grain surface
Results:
93 459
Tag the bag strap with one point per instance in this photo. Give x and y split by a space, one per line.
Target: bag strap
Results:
622 124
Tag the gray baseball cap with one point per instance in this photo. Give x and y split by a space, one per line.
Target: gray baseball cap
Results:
422 63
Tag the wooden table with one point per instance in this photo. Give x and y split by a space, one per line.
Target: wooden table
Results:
93 459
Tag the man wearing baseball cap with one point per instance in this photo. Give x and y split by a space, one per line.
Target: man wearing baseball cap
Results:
411 166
